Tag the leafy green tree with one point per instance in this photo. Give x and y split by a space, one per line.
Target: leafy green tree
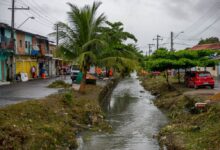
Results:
81 36
209 40
162 65
163 60
118 55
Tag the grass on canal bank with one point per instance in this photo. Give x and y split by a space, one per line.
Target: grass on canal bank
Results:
189 128
53 122
59 84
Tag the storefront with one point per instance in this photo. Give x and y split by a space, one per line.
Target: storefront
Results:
24 65
45 66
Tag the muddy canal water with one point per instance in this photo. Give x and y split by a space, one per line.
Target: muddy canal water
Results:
134 119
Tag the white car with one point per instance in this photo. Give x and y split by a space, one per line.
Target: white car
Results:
74 71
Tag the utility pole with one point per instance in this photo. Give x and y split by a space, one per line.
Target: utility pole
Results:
150 46
171 42
13 21
158 39
57 28
13 8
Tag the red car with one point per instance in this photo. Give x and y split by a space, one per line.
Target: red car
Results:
198 79
155 73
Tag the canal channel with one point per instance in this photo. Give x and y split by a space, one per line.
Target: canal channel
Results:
134 118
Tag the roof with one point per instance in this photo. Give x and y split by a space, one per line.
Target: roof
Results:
214 46
3 25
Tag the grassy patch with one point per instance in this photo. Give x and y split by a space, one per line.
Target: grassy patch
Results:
51 123
188 129
59 84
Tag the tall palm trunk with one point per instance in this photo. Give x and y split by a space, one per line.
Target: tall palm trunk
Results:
82 88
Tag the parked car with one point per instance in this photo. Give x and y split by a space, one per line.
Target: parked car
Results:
198 79
156 73
74 71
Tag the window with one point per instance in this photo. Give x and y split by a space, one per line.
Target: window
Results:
20 43
204 74
26 44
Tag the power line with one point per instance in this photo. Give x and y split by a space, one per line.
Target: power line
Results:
208 27
38 14
208 14
184 44
44 11
38 19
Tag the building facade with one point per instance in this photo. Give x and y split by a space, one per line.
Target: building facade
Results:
31 50
6 52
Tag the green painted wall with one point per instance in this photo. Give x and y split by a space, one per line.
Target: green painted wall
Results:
3 58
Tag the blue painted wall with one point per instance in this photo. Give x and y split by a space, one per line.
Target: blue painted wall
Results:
28 38
8 35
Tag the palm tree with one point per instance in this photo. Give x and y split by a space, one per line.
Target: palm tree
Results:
80 37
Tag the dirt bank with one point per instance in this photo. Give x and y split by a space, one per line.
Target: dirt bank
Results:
53 122
189 128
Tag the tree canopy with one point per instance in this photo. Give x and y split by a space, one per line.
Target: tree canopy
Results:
209 40
164 60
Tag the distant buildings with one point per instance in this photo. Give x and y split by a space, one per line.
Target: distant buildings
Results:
215 70
31 50
214 46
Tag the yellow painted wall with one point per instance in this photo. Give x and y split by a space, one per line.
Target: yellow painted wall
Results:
25 66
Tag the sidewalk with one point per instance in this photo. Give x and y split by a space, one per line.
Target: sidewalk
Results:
4 83
31 79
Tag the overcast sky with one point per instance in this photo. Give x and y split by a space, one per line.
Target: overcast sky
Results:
144 18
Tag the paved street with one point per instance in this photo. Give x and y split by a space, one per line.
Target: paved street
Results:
14 93
36 89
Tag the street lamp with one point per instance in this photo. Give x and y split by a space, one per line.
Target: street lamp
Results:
178 34
173 38
25 21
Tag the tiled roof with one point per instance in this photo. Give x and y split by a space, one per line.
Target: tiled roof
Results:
214 46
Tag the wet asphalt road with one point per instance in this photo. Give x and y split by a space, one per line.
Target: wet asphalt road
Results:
36 89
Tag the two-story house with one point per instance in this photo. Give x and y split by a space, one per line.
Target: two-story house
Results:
31 50
6 51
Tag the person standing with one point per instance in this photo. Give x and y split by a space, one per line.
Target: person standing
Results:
33 71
